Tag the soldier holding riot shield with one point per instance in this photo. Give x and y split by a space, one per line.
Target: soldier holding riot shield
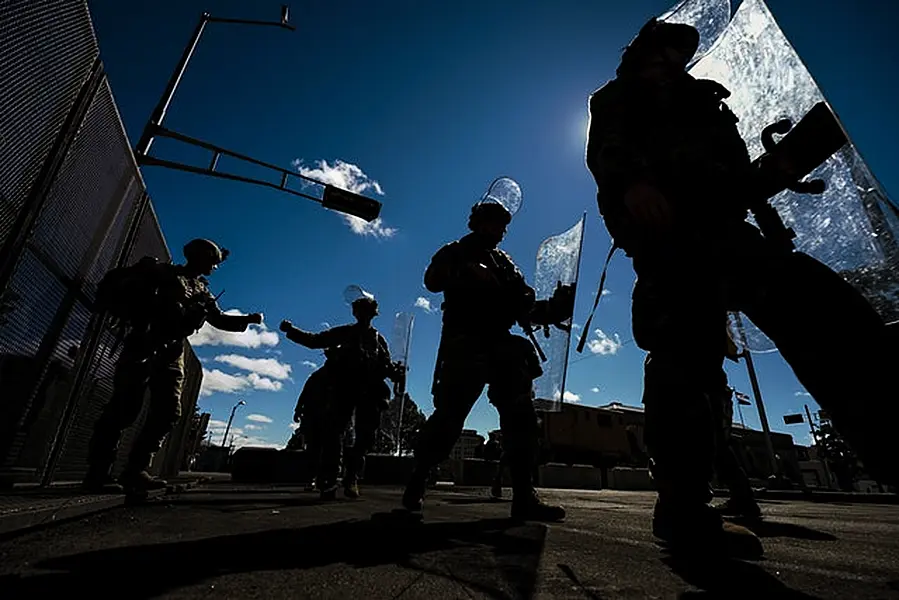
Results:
675 183
357 365
484 296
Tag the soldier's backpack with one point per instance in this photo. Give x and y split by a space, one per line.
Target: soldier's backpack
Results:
125 292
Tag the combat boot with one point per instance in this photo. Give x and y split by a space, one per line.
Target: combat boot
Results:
351 489
414 494
700 531
101 483
746 508
328 491
141 482
496 491
528 506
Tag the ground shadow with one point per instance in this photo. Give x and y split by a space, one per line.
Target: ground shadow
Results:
769 529
572 576
495 557
727 578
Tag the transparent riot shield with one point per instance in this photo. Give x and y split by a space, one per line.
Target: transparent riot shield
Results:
558 261
852 227
399 352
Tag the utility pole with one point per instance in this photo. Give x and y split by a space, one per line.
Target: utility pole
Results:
757 392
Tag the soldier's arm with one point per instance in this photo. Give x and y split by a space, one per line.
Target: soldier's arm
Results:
614 154
323 339
219 320
555 309
440 272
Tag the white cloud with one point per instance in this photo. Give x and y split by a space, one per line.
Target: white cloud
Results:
239 437
264 383
604 344
294 426
263 366
424 304
569 396
348 176
219 381
802 394
326 325
606 292
215 423
254 337
259 418
595 390
310 364
252 427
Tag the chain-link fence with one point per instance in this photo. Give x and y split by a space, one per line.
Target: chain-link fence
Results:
70 193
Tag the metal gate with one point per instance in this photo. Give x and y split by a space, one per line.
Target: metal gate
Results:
70 190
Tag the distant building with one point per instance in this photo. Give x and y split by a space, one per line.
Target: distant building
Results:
612 435
468 444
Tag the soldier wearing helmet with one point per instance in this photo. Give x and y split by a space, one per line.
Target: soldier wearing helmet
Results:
159 305
358 362
485 295
674 184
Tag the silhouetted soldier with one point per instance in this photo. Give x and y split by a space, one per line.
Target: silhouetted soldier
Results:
493 451
675 181
484 296
358 363
310 414
162 304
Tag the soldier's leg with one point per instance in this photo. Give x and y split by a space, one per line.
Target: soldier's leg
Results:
678 318
129 386
511 391
838 347
166 383
454 396
368 420
336 419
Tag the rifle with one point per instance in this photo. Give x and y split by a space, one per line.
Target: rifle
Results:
804 147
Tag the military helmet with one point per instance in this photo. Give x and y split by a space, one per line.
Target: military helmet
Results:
655 35
354 295
200 250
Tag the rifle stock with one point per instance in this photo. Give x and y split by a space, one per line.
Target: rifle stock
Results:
804 147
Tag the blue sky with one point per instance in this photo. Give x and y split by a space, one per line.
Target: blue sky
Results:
431 101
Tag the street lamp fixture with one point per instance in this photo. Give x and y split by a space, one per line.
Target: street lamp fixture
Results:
332 198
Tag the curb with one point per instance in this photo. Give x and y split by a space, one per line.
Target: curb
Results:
62 510
50 512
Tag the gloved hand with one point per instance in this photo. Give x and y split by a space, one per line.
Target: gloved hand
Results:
561 304
285 325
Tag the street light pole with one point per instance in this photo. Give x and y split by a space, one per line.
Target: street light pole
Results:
155 122
228 428
146 138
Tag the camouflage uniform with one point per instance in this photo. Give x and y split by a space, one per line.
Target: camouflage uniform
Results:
358 363
153 358
478 349
681 139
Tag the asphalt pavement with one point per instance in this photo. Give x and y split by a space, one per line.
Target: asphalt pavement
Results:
229 541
